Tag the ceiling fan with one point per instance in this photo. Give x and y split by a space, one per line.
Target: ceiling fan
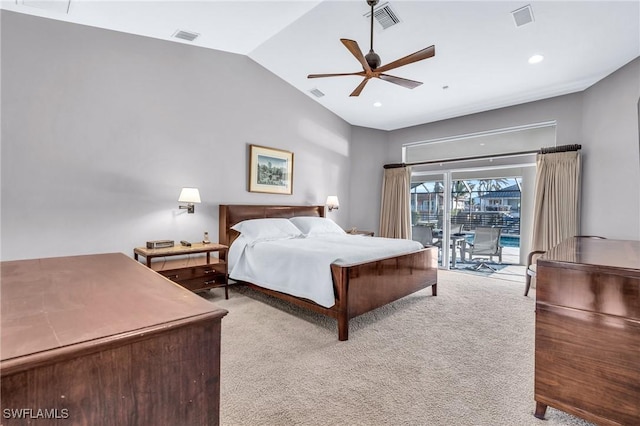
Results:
371 62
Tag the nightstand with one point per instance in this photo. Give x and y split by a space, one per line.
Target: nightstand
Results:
359 232
196 273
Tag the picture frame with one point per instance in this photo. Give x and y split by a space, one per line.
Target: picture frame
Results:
270 170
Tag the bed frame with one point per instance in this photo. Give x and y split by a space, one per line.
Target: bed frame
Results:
358 288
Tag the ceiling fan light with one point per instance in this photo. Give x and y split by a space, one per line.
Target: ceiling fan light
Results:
373 59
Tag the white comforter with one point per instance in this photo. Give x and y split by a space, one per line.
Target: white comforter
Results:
300 266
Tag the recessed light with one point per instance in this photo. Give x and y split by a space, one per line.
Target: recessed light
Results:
377 104
536 59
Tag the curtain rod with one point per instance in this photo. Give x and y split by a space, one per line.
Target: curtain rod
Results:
549 150
561 148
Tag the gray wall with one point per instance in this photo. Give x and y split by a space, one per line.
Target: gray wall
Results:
611 183
369 147
101 130
604 119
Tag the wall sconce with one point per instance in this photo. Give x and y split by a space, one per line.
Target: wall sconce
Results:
189 196
332 202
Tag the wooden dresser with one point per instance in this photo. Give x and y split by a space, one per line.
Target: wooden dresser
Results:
587 346
103 340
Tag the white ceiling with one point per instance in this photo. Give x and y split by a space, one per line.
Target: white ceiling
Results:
480 53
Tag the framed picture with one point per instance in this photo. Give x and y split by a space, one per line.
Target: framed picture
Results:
270 170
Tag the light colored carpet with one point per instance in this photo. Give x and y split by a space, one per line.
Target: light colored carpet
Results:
464 357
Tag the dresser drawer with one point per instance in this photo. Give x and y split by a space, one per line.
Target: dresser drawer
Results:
188 273
606 292
203 283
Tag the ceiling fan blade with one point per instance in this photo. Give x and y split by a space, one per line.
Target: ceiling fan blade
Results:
353 47
335 75
409 59
360 87
409 84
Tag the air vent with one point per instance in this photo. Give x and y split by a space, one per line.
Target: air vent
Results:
316 92
60 6
523 16
185 35
385 16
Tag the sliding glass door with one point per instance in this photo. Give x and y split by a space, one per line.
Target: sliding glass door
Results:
447 209
431 210
487 199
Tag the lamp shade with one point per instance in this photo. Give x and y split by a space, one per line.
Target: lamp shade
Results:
332 202
189 195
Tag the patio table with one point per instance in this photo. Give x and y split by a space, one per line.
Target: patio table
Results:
455 239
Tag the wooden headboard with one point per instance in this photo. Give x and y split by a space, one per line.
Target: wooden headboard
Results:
230 214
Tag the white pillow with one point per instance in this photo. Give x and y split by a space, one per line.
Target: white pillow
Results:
254 230
312 225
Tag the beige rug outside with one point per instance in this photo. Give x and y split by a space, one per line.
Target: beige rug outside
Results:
464 357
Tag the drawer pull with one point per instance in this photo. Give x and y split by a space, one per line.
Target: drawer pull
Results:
209 271
173 277
209 282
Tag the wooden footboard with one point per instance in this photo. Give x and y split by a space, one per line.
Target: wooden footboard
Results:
364 287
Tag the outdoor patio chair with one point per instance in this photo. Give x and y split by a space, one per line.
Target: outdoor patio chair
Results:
486 243
423 234
531 269
531 264
456 228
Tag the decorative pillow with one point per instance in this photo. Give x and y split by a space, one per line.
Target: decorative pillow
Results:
312 225
254 230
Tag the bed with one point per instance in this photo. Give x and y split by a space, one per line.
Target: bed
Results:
357 288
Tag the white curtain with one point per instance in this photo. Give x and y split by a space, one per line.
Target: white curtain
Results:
395 212
557 199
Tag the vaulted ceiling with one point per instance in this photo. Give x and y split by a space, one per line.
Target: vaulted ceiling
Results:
481 59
